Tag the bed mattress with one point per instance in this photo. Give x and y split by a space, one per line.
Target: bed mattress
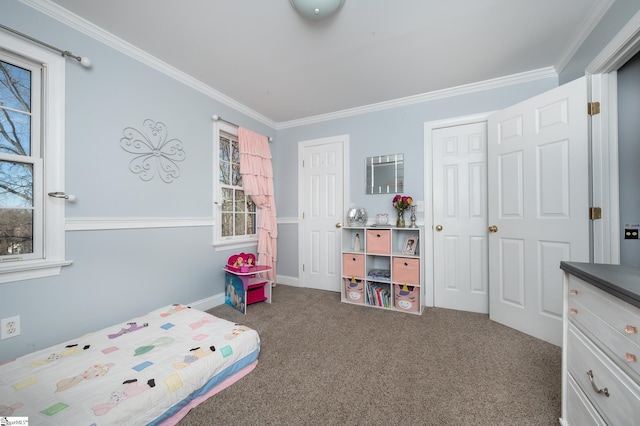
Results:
149 370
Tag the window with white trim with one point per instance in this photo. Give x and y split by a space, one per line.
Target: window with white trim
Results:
31 160
235 213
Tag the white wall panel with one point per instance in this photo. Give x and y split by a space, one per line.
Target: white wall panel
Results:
550 254
477 190
512 271
452 267
553 179
478 264
553 115
510 129
510 191
451 191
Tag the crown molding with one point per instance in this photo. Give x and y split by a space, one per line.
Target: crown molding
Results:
599 10
465 89
82 25
619 50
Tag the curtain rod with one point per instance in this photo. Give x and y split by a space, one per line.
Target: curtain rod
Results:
216 117
84 61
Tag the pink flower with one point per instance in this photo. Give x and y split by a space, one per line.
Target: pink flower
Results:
402 202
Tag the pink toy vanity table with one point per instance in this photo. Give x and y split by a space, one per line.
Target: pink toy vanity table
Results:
244 286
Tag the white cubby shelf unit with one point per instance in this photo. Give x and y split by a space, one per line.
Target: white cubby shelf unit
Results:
378 271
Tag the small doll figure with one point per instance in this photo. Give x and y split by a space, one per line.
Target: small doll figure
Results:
356 245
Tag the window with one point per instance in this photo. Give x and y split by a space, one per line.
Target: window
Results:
20 159
31 124
235 214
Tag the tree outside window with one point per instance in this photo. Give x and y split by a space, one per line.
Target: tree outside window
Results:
237 212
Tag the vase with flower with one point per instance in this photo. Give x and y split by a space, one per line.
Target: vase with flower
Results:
401 203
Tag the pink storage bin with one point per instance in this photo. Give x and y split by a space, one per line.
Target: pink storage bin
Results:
353 265
406 298
354 290
379 241
406 270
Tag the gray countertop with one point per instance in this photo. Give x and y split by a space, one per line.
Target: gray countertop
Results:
621 281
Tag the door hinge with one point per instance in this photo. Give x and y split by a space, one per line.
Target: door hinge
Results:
595 213
593 108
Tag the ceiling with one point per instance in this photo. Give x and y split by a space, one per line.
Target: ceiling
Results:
265 56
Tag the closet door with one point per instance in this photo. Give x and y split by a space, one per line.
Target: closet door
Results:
460 269
321 192
538 206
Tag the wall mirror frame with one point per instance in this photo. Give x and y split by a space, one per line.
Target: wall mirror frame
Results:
385 174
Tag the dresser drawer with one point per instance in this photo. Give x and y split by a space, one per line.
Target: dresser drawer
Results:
406 270
623 402
618 346
379 241
353 265
621 316
580 412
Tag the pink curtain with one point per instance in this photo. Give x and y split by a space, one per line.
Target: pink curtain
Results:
257 181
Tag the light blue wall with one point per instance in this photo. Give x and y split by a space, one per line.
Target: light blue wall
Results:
629 155
122 273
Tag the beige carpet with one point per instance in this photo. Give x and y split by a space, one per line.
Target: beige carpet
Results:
324 362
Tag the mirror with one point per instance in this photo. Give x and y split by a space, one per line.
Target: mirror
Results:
385 174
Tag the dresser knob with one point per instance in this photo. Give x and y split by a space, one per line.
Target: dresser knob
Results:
573 311
631 357
573 292
630 329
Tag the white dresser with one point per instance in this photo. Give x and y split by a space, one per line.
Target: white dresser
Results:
601 345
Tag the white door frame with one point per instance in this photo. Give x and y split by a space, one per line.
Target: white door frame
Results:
344 140
428 190
602 81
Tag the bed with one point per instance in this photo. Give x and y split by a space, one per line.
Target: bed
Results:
149 370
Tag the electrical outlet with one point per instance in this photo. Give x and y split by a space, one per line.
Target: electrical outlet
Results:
9 327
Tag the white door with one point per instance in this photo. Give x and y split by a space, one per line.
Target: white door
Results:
460 260
538 202
321 192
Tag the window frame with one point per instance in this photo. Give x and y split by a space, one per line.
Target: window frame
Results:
52 157
220 242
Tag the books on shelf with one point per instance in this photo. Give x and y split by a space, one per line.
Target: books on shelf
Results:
379 294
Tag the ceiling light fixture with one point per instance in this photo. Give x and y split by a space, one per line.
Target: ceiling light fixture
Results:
316 9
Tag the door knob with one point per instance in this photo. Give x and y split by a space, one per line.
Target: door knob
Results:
493 228
438 228
338 225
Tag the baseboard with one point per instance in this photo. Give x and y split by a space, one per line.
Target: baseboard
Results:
287 280
209 302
